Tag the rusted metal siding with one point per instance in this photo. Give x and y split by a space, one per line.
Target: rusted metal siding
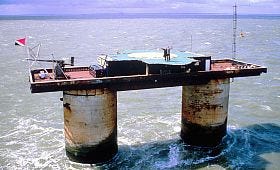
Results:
90 124
204 112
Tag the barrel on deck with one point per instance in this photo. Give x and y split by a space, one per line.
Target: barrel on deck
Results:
90 125
204 113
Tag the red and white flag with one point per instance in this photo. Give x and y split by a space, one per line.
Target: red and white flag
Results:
20 42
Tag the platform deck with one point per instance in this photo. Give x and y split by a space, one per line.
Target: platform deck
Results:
79 78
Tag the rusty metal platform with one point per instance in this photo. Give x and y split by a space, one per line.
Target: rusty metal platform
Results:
79 78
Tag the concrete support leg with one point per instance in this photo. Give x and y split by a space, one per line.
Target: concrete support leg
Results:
204 113
90 125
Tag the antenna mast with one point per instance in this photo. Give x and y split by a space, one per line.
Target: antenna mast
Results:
234 31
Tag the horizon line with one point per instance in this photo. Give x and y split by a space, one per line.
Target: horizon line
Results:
122 15
139 13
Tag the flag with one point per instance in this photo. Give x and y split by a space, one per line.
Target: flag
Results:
20 42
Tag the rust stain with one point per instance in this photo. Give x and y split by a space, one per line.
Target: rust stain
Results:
67 106
68 134
91 115
206 104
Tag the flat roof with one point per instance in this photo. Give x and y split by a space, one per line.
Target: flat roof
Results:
156 57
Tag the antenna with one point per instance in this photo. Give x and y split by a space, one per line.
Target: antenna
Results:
234 31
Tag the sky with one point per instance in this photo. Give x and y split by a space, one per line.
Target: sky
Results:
62 7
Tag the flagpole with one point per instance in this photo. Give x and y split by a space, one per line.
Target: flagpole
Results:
27 51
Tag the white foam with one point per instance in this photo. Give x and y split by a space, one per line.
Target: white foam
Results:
239 106
124 141
177 128
266 107
173 159
233 127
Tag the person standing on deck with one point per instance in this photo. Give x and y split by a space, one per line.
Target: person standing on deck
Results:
168 53
164 53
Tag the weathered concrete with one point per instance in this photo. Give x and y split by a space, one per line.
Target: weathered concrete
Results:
204 113
90 125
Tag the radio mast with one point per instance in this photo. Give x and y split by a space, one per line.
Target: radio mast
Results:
234 31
